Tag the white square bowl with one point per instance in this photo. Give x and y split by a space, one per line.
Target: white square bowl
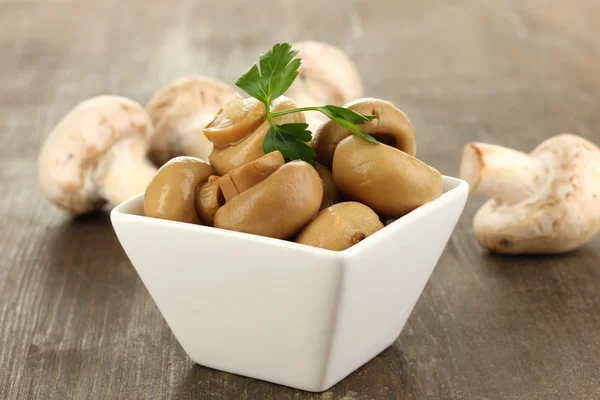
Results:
279 311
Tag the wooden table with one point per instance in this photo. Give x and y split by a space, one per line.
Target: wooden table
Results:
77 323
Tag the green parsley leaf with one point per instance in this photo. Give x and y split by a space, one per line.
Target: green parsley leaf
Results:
290 140
278 70
349 119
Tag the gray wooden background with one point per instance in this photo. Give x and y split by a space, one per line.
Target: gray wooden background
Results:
76 321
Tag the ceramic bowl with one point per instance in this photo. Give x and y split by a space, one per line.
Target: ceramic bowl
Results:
283 312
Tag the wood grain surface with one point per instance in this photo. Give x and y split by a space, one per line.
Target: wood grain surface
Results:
77 323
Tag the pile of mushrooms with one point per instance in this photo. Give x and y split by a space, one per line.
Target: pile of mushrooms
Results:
107 148
242 189
544 202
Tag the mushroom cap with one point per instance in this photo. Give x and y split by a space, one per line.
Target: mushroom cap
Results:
391 127
326 76
562 215
278 206
71 160
384 178
340 226
179 112
251 148
209 198
171 194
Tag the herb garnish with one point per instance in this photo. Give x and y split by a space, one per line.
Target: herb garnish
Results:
271 78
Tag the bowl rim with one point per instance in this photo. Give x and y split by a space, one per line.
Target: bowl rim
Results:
454 189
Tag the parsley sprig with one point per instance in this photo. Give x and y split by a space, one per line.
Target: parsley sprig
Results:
272 77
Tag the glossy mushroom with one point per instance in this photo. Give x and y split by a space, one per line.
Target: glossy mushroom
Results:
180 111
547 201
278 206
209 198
340 226
391 127
326 76
171 193
384 178
242 178
249 149
97 154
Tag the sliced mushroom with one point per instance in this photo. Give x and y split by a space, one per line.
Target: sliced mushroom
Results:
251 148
278 206
544 202
171 193
243 178
97 153
209 198
180 111
384 178
237 119
331 195
326 76
391 127
340 226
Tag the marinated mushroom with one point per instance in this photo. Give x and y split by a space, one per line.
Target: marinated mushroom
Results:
384 178
547 201
331 195
237 119
340 226
209 198
391 126
278 206
179 112
171 193
243 178
326 76
251 148
97 154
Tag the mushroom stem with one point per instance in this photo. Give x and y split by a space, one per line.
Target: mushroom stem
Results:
125 175
500 172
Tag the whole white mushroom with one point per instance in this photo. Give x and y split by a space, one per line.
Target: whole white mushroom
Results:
97 154
544 202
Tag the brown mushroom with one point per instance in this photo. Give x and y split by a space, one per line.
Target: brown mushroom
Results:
97 154
171 193
384 178
180 111
340 226
251 148
242 178
278 206
331 195
237 119
326 76
544 202
209 198
391 127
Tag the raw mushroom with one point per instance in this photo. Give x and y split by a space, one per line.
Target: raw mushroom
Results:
544 202
331 195
384 178
172 192
391 127
326 76
278 206
251 148
248 175
179 112
96 154
340 226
